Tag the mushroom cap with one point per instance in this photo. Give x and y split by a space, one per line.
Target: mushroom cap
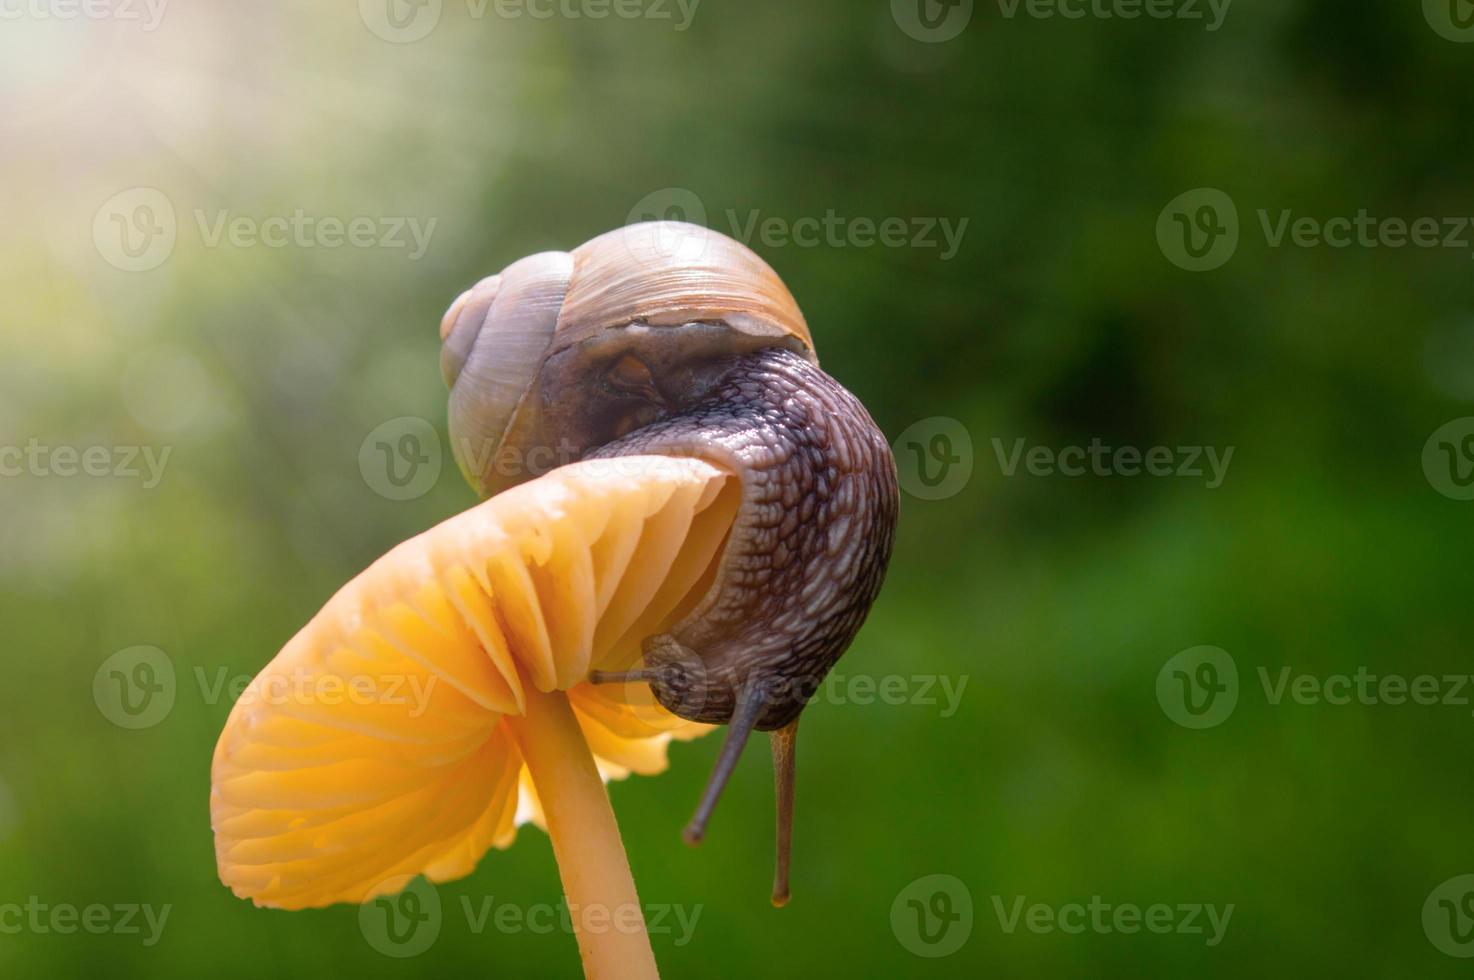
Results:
374 746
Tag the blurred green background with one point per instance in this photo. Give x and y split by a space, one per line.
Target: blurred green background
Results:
1061 775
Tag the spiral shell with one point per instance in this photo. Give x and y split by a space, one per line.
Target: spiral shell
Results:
499 333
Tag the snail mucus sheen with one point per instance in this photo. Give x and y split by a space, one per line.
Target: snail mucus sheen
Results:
669 339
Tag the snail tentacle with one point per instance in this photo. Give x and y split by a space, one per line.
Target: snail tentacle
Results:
749 707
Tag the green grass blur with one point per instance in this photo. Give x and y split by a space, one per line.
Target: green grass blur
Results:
1055 600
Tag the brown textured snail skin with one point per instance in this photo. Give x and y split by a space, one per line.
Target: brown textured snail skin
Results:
666 338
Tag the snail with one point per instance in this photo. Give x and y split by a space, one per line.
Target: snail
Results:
669 339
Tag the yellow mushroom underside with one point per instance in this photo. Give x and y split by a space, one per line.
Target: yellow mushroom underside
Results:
375 744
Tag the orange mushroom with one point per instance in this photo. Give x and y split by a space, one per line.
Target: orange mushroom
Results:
496 616
708 558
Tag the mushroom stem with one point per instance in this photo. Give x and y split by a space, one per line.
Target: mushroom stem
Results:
591 861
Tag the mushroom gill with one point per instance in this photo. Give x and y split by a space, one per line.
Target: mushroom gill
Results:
390 736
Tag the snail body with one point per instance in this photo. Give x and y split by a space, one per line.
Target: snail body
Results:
807 552
669 339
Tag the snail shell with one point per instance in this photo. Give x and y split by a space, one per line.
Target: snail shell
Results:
656 275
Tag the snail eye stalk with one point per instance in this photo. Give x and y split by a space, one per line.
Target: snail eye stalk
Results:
750 703
749 710
783 740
